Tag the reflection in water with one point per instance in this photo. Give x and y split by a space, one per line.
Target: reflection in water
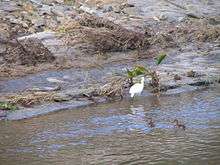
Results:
138 118
119 133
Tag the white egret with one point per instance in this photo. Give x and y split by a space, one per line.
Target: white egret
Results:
137 88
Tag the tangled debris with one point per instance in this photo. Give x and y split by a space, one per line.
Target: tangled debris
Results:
100 35
28 52
208 33
114 87
28 99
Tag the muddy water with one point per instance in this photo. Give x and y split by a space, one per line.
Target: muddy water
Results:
117 133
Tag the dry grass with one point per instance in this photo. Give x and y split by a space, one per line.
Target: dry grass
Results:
96 34
27 99
208 33
155 81
114 87
28 52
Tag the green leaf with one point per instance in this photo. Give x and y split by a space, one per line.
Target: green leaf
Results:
140 70
7 106
160 58
130 73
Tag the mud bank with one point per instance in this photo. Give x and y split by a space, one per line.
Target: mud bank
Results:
80 46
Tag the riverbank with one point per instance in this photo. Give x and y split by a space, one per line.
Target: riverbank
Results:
80 54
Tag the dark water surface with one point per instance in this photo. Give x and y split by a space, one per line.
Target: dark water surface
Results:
117 133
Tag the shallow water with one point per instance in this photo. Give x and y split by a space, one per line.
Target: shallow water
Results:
117 133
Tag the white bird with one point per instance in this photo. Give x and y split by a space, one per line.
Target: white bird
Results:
137 88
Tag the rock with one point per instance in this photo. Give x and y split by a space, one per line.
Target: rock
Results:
191 73
39 22
130 11
37 2
193 15
117 9
54 80
107 8
41 36
2 48
52 2
46 89
3 113
19 22
177 77
126 5
45 109
1 60
59 1
57 12
60 97
88 10
45 10
214 21
74 93
9 7
163 17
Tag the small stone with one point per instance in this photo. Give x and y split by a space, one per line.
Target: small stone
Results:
9 7
54 80
60 97
3 48
193 15
38 22
177 77
191 73
107 8
3 113
162 17
117 9
214 21
130 11
126 5
56 12
45 10
87 10
45 89
59 1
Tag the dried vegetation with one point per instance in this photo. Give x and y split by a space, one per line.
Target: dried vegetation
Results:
27 99
114 87
28 52
99 35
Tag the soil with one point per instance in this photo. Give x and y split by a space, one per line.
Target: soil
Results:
90 41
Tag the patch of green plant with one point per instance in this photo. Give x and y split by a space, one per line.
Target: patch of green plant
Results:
160 58
145 71
137 71
7 106
141 70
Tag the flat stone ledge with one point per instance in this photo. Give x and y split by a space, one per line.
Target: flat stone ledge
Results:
26 113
